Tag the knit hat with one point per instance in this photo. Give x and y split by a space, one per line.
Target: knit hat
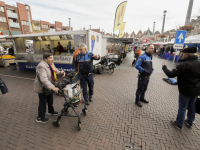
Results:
190 50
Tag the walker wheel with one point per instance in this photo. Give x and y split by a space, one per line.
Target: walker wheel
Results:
79 125
66 112
84 112
56 124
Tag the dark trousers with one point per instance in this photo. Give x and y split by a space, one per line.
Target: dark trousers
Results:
84 81
142 87
43 100
186 102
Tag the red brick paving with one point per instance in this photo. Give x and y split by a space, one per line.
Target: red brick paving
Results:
112 117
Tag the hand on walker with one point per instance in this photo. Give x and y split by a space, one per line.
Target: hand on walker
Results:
55 90
62 72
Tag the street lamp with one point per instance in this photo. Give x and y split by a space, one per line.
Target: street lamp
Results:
154 27
102 31
69 24
90 27
188 16
163 21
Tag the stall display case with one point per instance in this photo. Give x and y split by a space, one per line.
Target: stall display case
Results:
21 57
5 60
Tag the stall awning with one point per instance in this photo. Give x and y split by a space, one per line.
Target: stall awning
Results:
77 32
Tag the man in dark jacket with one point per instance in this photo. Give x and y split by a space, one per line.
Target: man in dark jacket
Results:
188 76
11 51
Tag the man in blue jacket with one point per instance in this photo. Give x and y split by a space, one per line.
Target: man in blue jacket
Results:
84 65
145 68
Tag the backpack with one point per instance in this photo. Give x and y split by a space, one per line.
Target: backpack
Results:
3 87
171 81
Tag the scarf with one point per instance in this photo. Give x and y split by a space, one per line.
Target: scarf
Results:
53 70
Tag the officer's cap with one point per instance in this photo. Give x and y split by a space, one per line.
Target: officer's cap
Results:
190 50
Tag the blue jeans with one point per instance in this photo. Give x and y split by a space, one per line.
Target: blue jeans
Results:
186 103
84 81
142 87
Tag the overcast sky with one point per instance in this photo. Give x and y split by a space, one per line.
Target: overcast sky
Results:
139 14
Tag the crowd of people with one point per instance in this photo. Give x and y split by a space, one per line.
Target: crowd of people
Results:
187 73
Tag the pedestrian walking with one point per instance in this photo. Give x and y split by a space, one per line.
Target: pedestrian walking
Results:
45 77
188 76
137 55
145 68
84 65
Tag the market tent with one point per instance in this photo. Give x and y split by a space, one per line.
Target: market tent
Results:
172 41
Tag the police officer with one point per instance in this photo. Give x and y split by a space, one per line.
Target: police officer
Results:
145 68
84 65
188 76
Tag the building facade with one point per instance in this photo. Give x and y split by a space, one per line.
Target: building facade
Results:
18 20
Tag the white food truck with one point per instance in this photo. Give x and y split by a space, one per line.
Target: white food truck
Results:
29 48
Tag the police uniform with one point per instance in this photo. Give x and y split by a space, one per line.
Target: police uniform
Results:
145 68
84 63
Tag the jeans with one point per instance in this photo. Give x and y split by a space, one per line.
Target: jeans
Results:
84 81
186 103
142 87
43 100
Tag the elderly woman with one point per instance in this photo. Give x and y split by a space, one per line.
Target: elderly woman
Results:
46 76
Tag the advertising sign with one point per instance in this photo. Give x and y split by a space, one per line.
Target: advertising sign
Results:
119 16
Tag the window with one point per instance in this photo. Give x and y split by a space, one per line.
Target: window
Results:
59 29
2 19
25 23
44 26
1 8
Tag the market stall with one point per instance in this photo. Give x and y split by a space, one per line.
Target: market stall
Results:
50 42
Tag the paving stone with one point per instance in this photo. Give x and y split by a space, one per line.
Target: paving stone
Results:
113 117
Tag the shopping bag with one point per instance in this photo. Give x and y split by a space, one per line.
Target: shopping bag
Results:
3 87
198 105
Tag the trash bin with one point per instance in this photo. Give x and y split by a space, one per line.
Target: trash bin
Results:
13 66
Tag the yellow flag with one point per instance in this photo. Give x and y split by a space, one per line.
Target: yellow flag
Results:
119 16
121 31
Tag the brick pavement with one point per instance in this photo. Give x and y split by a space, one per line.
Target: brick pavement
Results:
112 117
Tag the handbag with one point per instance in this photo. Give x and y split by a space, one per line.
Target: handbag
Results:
46 91
3 87
198 105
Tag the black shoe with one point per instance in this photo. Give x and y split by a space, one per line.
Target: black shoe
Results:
87 102
43 120
188 124
144 100
53 114
138 103
176 125
90 99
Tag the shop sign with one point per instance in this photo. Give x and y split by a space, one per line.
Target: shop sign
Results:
32 66
57 58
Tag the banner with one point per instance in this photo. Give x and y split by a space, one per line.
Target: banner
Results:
121 31
119 16
92 41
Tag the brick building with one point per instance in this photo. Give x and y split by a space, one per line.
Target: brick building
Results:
18 20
